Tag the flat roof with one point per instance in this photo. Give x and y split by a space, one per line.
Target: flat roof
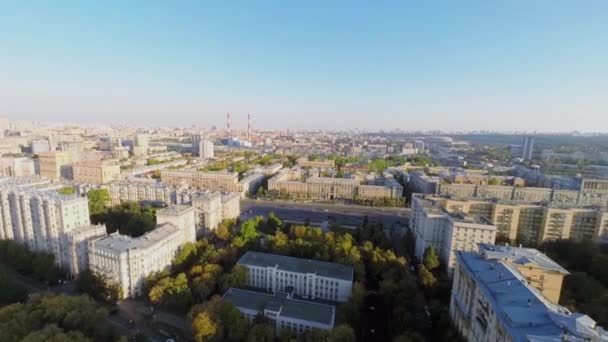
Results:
122 243
520 256
291 264
523 311
288 307
174 210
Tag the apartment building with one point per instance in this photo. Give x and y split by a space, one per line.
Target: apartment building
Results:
309 279
327 188
43 220
213 181
533 223
152 192
96 171
447 231
56 164
250 183
208 208
540 271
206 149
591 192
128 261
231 205
17 167
492 301
282 310
76 249
321 164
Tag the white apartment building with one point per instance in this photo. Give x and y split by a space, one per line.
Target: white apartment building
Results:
282 310
153 192
492 301
205 149
75 249
447 232
208 210
231 205
38 217
128 261
307 278
17 167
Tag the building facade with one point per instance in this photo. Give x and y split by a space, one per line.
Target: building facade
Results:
492 301
127 261
282 310
309 279
96 172
213 181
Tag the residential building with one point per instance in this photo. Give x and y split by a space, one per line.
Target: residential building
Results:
151 192
40 145
309 279
492 301
540 271
528 147
208 209
447 231
141 144
56 164
282 310
213 181
250 183
17 167
96 171
531 223
231 205
127 261
206 149
322 164
38 217
76 247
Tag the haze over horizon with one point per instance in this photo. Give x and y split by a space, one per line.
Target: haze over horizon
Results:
473 65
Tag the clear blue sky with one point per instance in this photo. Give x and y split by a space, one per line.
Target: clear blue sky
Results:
516 64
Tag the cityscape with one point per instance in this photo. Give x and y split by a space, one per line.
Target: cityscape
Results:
145 197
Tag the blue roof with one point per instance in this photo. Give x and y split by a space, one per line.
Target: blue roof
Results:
524 312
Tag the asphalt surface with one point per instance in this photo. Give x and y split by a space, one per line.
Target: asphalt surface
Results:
394 219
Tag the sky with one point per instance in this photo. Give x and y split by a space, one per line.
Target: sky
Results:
413 65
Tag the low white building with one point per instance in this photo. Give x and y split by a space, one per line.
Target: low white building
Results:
309 279
283 311
128 261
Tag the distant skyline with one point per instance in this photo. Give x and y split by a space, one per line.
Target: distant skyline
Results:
450 65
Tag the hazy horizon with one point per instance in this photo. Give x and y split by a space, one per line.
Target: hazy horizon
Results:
453 66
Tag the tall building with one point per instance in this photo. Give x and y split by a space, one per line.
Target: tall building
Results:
141 144
4 126
195 140
17 167
127 261
206 149
43 220
447 232
531 223
96 171
308 279
528 147
208 208
282 310
492 301
56 164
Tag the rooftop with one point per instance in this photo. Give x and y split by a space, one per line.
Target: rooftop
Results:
291 264
174 210
122 243
287 307
520 256
523 311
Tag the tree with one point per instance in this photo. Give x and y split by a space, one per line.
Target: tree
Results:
10 291
98 287
261 333
222 232
67 190
430 259
342 333
236 278
427 279
204 327
98 199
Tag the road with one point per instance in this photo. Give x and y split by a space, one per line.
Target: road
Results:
394 219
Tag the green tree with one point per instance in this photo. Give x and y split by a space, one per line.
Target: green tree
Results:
261 333
342 333
430 259
98 200
204 327
236 278
67 190
427 279
98 287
